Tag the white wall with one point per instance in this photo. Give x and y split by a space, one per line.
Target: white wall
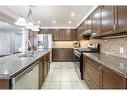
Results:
9 42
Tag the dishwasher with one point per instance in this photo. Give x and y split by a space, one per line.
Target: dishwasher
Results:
28 79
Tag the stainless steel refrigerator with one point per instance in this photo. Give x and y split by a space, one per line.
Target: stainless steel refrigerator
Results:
45 41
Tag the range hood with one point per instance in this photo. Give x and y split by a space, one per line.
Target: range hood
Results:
86 33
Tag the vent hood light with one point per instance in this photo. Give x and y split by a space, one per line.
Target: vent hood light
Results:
86 33
20 21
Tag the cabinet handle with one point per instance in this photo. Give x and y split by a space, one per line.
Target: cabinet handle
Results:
100 70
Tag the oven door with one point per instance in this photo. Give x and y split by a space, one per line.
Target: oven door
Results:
77 63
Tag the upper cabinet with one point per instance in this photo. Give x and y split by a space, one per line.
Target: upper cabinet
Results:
61 34
108 23
96 21
122 18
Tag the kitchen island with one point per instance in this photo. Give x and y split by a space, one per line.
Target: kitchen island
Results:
14 65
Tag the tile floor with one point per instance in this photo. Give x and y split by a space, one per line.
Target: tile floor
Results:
62 75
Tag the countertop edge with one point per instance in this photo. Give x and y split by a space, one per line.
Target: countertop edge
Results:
100 62
19 71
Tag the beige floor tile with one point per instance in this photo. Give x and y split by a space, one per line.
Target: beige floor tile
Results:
62 75
72 73
65 78
75 78
54 85
66 85
57 73
65 73
56 78
77 85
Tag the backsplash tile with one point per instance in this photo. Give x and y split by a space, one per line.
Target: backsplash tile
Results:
112 46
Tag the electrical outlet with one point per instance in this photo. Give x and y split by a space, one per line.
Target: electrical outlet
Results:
121 50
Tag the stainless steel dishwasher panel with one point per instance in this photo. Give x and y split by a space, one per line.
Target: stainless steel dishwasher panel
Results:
28 79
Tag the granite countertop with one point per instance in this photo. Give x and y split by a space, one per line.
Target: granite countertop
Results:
116 64
13 64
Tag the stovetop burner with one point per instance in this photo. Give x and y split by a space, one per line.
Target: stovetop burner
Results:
81 50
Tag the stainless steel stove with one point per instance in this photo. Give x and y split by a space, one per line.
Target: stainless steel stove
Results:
78 57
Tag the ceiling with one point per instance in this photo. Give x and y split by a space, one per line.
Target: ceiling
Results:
50 16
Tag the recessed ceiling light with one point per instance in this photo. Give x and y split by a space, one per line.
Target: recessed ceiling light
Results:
69 22
38 22
54 22
72 14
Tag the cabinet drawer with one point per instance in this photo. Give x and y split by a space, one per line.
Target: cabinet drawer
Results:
90 82
93 63
93 73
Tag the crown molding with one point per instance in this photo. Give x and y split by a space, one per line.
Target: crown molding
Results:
88 13
57 27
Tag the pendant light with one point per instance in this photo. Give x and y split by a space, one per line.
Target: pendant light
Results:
29 22
20 22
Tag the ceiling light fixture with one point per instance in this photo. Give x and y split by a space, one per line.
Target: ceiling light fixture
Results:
69 22
20 21
54 22
29 22
72 14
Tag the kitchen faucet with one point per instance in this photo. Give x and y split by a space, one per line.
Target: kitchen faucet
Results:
29 45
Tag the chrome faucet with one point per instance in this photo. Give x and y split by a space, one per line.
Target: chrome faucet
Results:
29 44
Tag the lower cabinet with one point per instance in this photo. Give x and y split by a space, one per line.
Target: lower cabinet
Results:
62 54
100 77
44 67
112 80
92 73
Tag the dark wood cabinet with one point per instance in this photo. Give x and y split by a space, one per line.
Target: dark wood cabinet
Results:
5 84
98 76
44 67
122 18
62 54
89 23
112 80
41 72
92 73
108 19
96 21
61 34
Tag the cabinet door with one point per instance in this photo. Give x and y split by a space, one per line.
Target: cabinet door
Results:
89 23
93 69
108 18
58 54
122 17
96 21
62 54
41 73
111 80
69 54
56 35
